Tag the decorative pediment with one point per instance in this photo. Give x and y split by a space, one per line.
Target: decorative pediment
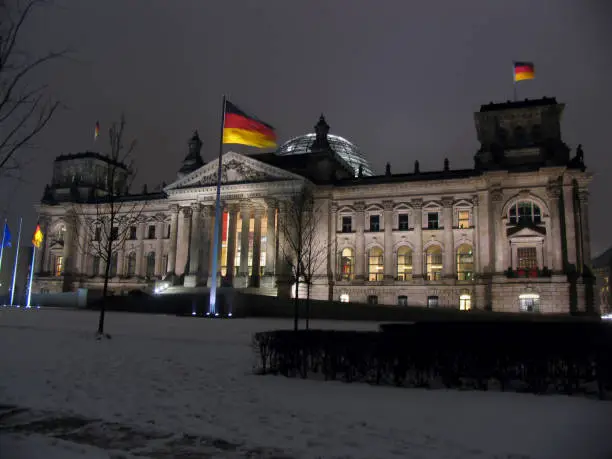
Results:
463 203
432 205
526 231
235 169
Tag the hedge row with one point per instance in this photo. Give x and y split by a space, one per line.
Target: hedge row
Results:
566 358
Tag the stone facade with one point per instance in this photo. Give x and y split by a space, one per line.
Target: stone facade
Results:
511 234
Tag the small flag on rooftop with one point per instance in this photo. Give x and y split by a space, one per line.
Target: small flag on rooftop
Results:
524 71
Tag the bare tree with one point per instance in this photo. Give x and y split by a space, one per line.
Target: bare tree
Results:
25 110
314 255
109 213
302 250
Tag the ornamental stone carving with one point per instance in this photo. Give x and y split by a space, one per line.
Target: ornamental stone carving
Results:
497 195
583 195
187 212
387 205
553 192
447 201
359 206
417 203
234 171
475 200
174 208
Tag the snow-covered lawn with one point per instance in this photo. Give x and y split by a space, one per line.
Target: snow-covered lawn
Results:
165 386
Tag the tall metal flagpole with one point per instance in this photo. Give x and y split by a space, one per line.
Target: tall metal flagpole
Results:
514 80
212 308
2 247
16 262
31 276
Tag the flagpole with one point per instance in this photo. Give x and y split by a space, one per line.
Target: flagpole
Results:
212 307
31 276
16 262
514 80
3 241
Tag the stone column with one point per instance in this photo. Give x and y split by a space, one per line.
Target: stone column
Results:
231 241
256 246
360 242
174 209
571 233
499 245
476 246
68 242
282 270
80 249
245 215
140 235
270 238
554 193
159 247
333 241
417 257
191 278
585 232
207 214
186 238
449 263
389 259
194 249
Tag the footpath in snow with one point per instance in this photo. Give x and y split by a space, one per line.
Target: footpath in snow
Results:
169 387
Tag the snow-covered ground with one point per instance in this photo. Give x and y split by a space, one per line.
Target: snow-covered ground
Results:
165 386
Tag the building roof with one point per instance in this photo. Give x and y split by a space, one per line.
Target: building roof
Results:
89 154
414 177
508 105
603 260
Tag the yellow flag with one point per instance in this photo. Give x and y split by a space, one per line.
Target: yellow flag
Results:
38 237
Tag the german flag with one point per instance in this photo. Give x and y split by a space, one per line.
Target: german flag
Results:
524 71
240 128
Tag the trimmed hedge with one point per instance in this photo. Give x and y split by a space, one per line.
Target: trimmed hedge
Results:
537 357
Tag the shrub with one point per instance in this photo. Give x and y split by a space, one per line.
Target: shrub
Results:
538 357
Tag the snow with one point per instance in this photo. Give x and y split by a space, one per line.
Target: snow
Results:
164 386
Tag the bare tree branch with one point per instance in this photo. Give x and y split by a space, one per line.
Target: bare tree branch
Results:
24 110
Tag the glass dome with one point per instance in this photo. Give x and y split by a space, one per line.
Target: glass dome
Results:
343 148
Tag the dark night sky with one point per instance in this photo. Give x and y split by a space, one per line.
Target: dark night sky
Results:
400 79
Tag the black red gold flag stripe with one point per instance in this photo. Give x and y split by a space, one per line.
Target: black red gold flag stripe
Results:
243 129
524 71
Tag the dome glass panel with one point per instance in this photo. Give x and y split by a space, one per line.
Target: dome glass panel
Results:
342 147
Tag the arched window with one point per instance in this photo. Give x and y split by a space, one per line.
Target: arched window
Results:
375 264
404 263
433 262
347 264
465 262
524 213
113 265
131 264
150 264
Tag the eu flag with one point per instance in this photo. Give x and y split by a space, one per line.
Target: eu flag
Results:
6 237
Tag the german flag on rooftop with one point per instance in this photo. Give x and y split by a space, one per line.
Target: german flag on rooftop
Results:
240 128
524 71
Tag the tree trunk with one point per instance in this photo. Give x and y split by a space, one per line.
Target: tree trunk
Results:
307 304
109 258
296 305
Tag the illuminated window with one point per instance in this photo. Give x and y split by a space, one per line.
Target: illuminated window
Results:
527 257
347 263
375 264
524 213
432 301
433 262
404 263
465 263
465 302
463 219
59 266
344 298
529 302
